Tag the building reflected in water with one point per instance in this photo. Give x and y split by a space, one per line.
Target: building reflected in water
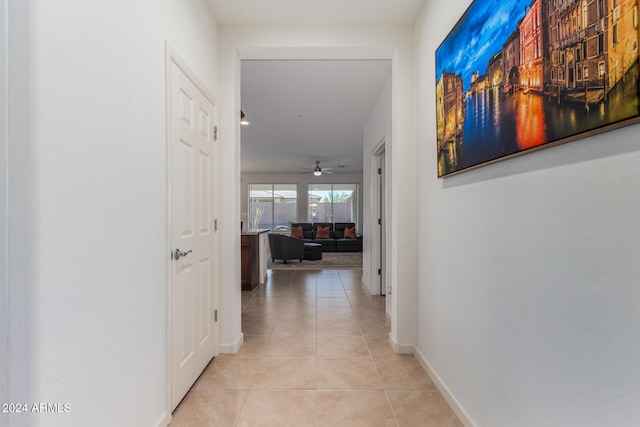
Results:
498 124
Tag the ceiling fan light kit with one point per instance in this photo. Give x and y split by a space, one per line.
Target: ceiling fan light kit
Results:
318 171
243 120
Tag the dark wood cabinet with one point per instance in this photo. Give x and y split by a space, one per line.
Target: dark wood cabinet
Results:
250 260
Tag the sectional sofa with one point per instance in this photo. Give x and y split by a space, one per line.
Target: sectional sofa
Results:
336 240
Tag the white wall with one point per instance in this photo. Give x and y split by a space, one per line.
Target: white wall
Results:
302 181
318 42
193 33
88 271
528 296
4 288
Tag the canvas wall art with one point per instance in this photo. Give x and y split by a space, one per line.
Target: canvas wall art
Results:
518 75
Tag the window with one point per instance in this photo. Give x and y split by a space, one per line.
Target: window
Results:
272 206
601 10
601 69
600 43
333 203
615 34
635 16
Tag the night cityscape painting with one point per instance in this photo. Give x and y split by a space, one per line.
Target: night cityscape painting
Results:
517 75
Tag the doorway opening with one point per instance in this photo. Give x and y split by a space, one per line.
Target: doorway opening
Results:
306 112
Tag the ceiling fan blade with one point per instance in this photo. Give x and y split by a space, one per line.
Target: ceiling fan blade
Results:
322 169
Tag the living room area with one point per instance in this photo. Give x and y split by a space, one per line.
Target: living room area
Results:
294 243
308 157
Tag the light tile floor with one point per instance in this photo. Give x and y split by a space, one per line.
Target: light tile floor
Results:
316 353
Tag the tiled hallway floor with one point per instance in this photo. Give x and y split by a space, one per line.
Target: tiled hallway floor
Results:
316 353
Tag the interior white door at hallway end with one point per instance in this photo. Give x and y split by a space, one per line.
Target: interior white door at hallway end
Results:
193 264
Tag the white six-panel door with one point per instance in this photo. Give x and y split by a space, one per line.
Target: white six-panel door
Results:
191 151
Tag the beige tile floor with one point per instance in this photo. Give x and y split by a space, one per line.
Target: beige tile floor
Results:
316 353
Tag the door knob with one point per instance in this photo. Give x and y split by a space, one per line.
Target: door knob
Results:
179 254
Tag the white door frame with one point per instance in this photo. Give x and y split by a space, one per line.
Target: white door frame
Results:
377 250
172 57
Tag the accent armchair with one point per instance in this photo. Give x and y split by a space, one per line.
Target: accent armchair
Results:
285 247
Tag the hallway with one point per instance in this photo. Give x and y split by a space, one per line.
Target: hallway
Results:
315 353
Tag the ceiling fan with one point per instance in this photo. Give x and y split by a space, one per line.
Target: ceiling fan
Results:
317 171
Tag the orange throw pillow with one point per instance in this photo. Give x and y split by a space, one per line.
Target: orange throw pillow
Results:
350 233
297 232
322 233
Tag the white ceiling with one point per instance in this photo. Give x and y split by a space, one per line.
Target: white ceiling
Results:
313 12
303 111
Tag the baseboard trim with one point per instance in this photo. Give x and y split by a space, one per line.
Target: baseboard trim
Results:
394 345
231 348
444 390
400 348
164 420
